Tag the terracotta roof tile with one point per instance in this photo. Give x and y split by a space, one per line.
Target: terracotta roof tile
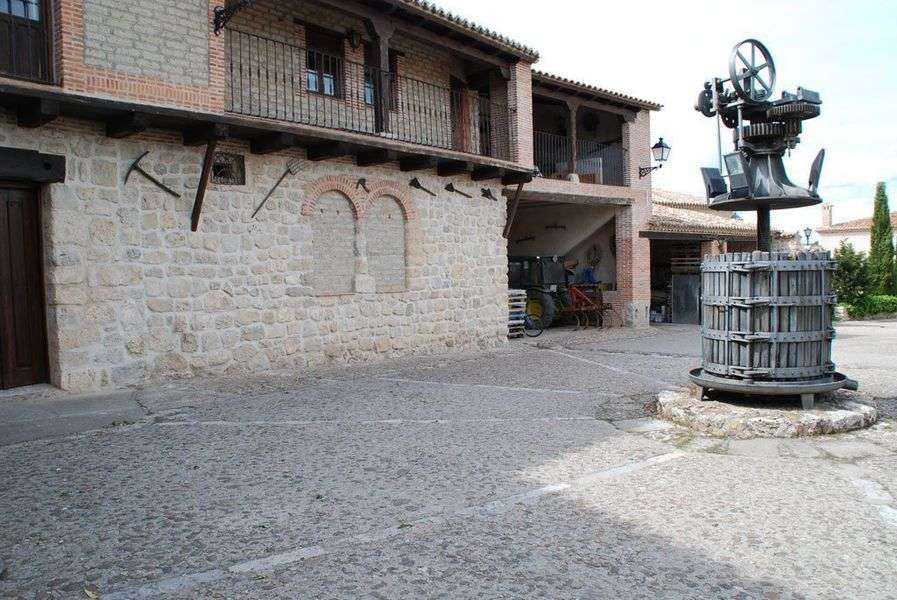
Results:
440 13
675 212
864 224
597 91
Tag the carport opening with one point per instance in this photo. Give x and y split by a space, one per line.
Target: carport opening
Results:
675 281
553 246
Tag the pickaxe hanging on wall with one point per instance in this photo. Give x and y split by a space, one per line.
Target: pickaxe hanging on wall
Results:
136 167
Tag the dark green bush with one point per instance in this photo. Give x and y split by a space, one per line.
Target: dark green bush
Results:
870 306
852 280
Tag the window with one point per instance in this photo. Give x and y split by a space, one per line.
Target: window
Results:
26 9
324 68
24 42
370 71
228 169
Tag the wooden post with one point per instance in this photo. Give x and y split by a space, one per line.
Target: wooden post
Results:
203 184
572 138
381 31
764 236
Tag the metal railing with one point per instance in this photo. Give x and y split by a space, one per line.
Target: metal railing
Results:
276 80
595 162
24 47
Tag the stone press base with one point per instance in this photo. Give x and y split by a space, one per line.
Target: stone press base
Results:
745 417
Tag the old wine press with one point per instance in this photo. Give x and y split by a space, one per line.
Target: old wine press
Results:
767 316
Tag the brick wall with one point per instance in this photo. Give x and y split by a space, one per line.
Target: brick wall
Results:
81 33
165 39
634 251
520 101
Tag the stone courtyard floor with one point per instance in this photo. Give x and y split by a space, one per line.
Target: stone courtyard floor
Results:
531 471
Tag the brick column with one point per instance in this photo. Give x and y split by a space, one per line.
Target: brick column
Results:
520 105
634 251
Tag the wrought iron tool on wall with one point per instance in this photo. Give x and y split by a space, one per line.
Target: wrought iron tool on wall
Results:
135 166
450 187
292 169
416 184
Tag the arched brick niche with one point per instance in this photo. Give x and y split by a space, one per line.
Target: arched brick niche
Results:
333 224
385 234
346 186
401 195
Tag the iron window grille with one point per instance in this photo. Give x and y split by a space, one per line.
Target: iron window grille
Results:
228 169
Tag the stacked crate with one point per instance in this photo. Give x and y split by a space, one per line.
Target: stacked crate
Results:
516 312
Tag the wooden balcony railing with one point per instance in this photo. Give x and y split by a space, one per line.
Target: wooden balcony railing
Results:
24 40
595 162
275 80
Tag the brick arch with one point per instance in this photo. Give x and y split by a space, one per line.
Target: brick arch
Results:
390 189
333 183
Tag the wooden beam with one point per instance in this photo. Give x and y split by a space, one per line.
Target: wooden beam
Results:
448 168
484 173
29 165
203 184
512 211
37 114
516 177
415 31
206 133
380 156
327 150
273 142
593 104
126 125
417 162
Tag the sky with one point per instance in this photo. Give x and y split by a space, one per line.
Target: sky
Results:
665 51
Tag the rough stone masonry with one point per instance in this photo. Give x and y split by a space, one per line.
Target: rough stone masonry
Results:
326 272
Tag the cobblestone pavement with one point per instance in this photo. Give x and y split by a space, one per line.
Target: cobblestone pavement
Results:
533 471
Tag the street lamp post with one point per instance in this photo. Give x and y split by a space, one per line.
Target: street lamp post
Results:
807 233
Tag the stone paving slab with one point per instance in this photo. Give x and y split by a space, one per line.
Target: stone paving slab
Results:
508 474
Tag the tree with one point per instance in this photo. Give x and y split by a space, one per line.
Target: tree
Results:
851 281
881 254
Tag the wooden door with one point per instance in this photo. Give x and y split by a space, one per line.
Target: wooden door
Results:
23 337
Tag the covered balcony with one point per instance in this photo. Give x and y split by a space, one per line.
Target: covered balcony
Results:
340 66
570 139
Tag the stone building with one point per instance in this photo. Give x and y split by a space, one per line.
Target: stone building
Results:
389 133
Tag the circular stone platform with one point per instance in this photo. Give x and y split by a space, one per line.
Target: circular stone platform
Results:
768 417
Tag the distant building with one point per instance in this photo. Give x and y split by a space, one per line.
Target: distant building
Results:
858 231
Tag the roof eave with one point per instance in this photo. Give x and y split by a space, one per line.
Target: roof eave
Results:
431 12
576 87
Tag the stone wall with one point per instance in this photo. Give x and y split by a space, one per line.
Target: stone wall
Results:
167 39
134 296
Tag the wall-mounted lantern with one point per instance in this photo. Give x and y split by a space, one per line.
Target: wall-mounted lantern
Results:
661 153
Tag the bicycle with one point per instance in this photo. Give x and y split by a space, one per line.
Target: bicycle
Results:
532 326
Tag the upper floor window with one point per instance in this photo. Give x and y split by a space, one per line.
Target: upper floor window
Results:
26 9
24 40
324 68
